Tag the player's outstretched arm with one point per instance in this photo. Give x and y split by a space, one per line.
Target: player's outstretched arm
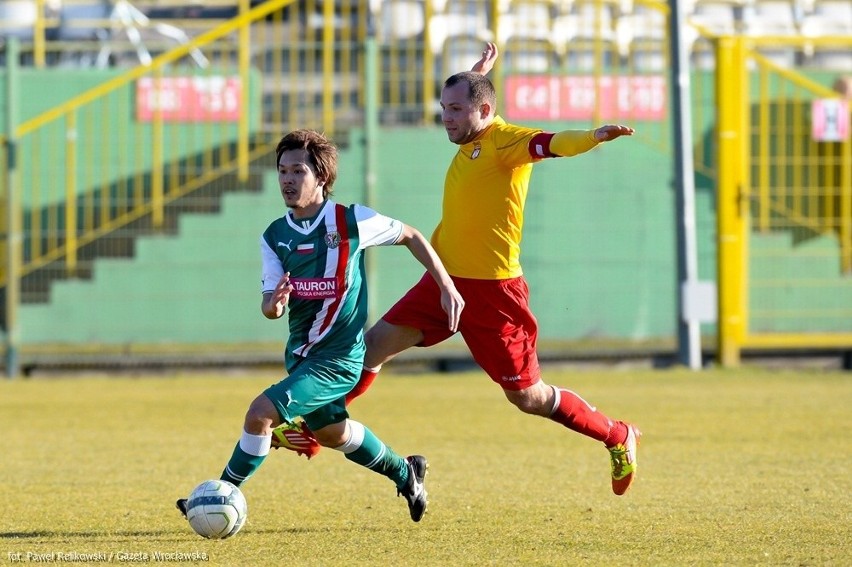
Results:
489 56
451 299
569 143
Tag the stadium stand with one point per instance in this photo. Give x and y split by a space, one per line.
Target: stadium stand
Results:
83 20
457 32
530 55
719 18
457 21
779 16
772 18
598 19
555 34
17 18
457 51
565 28
641 38
529 20
402 20
841 10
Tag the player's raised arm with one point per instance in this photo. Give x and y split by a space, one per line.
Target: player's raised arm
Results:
489 56
451 299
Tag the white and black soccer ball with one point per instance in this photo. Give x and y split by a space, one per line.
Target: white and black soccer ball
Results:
216 509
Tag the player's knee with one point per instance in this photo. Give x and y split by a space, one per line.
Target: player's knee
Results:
333 435
529 400
524 404
261 416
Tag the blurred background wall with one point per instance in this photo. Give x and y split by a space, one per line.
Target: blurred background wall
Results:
139 173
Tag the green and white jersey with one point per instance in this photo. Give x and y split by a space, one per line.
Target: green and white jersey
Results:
324 255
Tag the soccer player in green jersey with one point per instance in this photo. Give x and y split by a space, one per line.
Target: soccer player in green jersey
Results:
313 266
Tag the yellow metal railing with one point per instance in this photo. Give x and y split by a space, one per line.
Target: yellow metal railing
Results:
115 172
784 207
795 179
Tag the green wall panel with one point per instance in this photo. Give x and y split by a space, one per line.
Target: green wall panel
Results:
201 285
598 253
103 142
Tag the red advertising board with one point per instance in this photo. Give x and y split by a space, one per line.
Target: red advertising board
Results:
189 99
535 97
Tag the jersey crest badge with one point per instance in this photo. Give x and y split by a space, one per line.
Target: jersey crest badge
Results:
332 239
477 147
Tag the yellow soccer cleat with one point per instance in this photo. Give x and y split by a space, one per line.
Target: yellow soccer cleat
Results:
623 460
296 437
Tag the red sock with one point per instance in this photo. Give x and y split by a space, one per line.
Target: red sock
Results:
364 383
576 414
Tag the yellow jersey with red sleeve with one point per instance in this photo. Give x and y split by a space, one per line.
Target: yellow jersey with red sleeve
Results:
479 236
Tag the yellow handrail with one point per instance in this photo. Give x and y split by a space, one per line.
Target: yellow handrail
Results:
159 62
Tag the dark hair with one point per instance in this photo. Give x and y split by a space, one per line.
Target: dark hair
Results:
480 88
321 152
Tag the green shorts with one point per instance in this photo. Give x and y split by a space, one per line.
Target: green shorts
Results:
316 390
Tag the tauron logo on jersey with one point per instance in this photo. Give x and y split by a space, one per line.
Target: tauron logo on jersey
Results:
314 288
477 147
332 239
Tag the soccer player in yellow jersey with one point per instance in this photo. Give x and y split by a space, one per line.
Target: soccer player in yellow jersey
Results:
478 240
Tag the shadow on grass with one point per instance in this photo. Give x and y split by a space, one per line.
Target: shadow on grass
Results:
41 534
319 530
162 534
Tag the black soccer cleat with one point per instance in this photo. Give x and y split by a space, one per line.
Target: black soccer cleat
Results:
181 505
414 489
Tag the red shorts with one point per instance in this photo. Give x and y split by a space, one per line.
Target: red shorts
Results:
496 323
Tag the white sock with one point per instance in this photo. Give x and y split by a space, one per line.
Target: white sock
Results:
257 445
356 437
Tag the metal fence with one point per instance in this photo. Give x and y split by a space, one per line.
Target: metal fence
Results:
784 205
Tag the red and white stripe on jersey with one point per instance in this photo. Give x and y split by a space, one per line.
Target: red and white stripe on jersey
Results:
336 262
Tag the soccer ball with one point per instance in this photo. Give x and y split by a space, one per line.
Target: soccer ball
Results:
216 509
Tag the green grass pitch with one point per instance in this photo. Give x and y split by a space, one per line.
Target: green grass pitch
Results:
736 468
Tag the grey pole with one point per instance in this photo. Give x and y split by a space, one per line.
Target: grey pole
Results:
371 135
14 237
688 327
